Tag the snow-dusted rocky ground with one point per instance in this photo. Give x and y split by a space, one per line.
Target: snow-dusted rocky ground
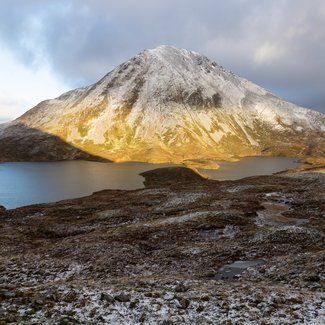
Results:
161 255
173 302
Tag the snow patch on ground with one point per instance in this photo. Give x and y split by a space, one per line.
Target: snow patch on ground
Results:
174 303
185 217
180 201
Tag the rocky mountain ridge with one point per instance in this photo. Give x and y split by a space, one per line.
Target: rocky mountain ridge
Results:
169 105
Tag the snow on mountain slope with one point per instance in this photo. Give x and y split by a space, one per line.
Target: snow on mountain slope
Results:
170 104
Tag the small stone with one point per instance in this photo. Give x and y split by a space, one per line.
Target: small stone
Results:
70 296
133 303
167 322
181 288
9 319
183 303
92 313
12 309
122 297
157 294
142 318
5 294
312 278
70 312
65 321
200 308
100 320
30 311
169 296
227 322
50 295
205 298
209 274
82 302
37 304
107 297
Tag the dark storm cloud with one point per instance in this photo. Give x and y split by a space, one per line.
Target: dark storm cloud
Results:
277 44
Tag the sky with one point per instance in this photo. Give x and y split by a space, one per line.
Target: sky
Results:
48 47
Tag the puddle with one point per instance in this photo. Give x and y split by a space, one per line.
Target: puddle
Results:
272 215
233 271
301 222
213 234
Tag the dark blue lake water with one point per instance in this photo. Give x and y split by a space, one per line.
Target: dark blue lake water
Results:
25 183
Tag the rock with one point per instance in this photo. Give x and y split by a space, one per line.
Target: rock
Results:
122 297
71 296
200 308
30 311
171 175
181 288
312 278
10 319
169 296
37 303
205 298
12 309
157 294
142 318
133 303
209 274
183 303
66 321
93 312
227 322
107 297
71 312
6 294
50 295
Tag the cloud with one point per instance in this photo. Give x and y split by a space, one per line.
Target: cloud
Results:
267 53
22 87
4 119
277 44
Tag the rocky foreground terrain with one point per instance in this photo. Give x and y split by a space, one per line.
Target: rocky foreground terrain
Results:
164 254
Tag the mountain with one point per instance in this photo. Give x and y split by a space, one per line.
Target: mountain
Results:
168 105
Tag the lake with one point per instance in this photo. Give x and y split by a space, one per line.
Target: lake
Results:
24 183
250 166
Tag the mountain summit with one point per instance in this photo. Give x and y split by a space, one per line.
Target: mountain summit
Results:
168 105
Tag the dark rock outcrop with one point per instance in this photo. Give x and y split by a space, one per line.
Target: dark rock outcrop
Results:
171 175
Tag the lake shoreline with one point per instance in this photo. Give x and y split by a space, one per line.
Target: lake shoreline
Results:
25 183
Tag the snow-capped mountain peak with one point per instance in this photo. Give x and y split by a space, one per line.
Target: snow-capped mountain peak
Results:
170 104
